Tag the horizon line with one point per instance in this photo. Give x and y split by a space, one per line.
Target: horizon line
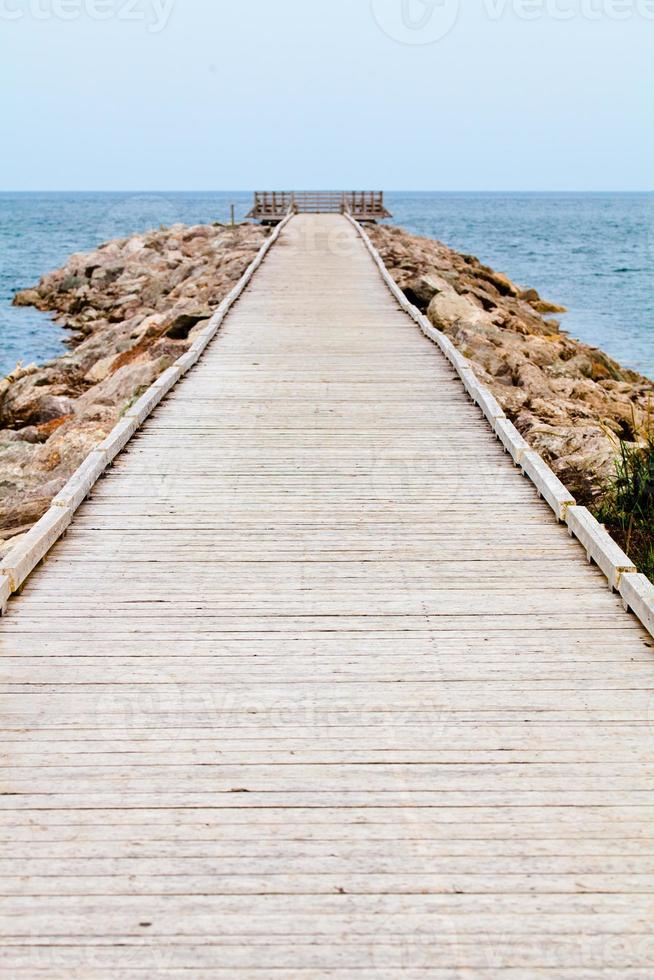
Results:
231 190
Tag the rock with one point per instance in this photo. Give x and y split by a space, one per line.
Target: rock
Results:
70 283
119 388
149 326
13 539
22 372
35 408
197 329
182 324
542 306
448 310
100 369
23 513
422 290
501 282
134 245
26 297
488 300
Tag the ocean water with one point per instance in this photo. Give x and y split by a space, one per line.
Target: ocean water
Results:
593 253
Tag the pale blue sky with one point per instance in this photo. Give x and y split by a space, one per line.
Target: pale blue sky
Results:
207 94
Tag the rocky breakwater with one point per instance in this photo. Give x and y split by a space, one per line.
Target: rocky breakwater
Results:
574 404
133 307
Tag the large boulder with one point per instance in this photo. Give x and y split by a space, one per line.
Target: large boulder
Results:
422 289
181 324
26 297
33 406
448 309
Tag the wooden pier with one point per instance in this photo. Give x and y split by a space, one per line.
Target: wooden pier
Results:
271 207
316 686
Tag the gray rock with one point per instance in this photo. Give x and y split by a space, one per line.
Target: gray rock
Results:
422 290
449 309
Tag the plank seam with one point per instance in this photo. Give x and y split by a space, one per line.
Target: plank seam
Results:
23 558
636 590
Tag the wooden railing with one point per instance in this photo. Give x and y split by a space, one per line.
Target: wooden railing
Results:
272 206
366 205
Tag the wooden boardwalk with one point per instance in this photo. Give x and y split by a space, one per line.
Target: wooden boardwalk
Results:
317 687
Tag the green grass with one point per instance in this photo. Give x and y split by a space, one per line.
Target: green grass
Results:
627 508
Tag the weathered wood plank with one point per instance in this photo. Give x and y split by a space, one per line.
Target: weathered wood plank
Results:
316 686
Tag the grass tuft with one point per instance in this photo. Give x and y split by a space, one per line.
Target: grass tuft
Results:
627 508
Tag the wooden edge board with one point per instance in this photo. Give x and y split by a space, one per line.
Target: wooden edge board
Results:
489 405
622 574
203 339
480 394
117 439
5 592
454 356
468 379
638 597
145 404
515 444
169 378
23 558
547 483
600 546
86 476
187 360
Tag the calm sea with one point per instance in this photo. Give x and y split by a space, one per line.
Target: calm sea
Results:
594 253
